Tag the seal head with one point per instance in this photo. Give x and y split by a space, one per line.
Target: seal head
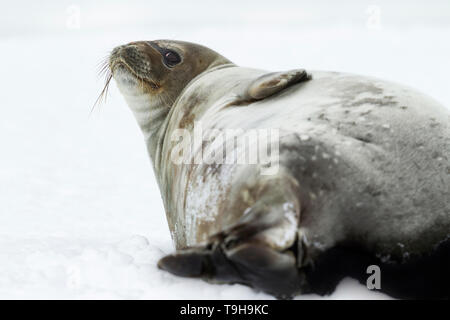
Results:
162 68
151 75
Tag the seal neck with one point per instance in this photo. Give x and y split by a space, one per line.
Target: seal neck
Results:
150 114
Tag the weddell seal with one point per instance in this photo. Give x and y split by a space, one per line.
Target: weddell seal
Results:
358 174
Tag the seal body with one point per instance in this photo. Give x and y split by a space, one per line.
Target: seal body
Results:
365 152
362 177
368 160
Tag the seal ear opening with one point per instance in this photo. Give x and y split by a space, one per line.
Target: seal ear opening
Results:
275 82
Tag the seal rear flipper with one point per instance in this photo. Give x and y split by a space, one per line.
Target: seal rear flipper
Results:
208 262
272 83
267 269
187 263
252 264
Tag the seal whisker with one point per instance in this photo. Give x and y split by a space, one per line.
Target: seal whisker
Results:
103 66
103 69
104 92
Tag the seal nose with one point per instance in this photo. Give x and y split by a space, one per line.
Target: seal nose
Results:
133 51
138 57
128 52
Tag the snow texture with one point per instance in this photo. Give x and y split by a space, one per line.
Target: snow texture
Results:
80 210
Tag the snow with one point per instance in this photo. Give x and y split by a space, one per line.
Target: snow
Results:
80 210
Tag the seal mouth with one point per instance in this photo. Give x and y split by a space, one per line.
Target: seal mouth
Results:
119 64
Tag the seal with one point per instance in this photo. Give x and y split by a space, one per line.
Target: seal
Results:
361 176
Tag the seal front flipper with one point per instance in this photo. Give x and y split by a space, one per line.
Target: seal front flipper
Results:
275 82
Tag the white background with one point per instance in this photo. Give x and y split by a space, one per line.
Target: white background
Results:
80 211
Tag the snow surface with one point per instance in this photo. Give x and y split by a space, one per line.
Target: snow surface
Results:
80 211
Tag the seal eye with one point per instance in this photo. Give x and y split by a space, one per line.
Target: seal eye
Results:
171 58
